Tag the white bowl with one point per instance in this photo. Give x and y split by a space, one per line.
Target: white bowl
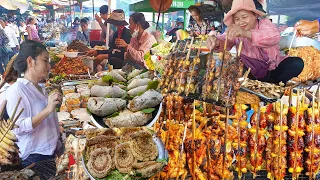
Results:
71 54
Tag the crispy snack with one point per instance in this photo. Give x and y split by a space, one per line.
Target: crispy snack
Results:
77 46
311 59
246 98
70 66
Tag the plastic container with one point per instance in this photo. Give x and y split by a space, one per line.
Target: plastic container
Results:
85 95
71 54
70 108
72 99
68 89
82 87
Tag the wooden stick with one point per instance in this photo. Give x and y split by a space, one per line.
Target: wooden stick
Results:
221 68
240 49
199 50
12 124
16 108
256 140
2 110
193 142
185 47
239 138
311 175
294 174
280 137
190 48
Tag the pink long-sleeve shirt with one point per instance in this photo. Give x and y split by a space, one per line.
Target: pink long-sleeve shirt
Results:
138 48
266 36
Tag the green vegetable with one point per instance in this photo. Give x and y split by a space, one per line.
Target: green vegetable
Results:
88 111
153 85
108 96
113 115
139 94
116 175
164 160
200 108
108 78
148 110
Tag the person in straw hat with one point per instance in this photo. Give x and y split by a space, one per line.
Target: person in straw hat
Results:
114 53
260 37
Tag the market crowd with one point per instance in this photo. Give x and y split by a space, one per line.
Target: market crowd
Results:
129 42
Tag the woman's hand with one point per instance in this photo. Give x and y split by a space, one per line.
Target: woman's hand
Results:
92 53
304 27
54 99
102 57
212 42
121 43
235 31
98 18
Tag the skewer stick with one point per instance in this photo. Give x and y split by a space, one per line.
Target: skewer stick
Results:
221 68
12 124
193 138
185 47
226 132
240 49
16 108
311 175
184 65
280 137
294 174
239 134
256 138
199 50
2 110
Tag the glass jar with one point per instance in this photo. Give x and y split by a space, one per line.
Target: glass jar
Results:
85 95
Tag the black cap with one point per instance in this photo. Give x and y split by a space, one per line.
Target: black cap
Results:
104 9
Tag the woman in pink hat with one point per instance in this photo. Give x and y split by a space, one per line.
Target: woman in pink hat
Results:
260 37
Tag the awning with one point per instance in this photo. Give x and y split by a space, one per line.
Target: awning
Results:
23 5
297 9
177 5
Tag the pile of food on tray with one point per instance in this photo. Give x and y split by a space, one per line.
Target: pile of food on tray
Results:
122 153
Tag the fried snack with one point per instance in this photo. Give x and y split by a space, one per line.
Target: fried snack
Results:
246 98
311 59
78 46
70 66
100 162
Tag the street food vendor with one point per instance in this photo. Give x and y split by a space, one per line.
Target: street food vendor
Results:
84 34
305 27
117 18
198 26
141 42
38 128
260 37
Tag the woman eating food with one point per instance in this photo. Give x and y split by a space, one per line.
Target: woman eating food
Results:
260 37
38 128
141 42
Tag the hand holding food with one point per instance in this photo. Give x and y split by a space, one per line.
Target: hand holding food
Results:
102 57
235 31
212 42
121 43
305 27
98 18
54 99
92 53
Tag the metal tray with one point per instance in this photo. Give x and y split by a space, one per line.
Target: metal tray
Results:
260 95
163 153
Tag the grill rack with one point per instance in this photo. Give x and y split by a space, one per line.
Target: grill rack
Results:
262 175
45 169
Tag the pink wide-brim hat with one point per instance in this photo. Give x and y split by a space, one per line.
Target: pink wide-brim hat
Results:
238 5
